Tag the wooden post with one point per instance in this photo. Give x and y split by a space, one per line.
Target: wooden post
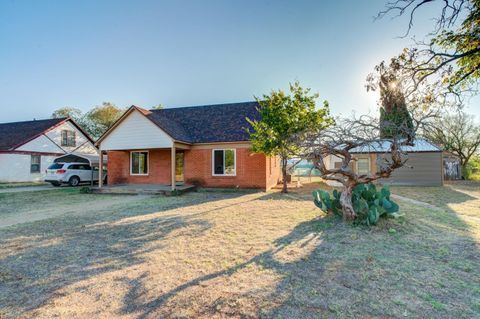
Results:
100 170
173 166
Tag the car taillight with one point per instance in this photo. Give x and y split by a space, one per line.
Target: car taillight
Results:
61 171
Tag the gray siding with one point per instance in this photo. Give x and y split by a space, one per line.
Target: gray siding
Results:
422 169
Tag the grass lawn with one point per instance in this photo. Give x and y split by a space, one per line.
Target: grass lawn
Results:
237 255
21 184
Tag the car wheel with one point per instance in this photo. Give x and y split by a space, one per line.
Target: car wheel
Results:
74 181
55 184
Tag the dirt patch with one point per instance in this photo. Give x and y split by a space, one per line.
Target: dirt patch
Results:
64 209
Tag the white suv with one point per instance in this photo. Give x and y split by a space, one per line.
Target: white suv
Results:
71 173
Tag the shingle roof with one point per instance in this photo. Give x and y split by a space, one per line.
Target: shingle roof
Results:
207 123
16 133
421 145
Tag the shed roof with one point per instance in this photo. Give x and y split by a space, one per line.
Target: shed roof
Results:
382 146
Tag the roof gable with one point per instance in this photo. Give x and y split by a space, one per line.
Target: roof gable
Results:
134 131
14 134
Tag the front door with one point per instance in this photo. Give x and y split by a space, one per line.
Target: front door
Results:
179 160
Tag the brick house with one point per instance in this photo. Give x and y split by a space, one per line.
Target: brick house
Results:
204 145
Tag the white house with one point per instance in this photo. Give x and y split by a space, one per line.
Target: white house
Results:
28 148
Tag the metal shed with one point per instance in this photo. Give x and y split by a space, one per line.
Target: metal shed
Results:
424 166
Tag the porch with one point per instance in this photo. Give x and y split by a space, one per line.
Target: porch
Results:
147 170
144 189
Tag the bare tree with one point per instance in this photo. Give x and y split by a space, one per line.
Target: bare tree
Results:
350 135
457 133
401 117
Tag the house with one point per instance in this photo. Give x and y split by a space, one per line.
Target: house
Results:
28 148
424 166
202 145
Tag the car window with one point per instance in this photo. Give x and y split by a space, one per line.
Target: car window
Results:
74 166
55 166
85 167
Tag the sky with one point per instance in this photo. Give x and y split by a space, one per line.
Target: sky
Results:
180 53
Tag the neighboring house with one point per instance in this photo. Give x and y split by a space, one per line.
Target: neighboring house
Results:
28 148
424 166
203 145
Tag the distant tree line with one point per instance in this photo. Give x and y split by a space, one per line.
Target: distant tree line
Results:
96 121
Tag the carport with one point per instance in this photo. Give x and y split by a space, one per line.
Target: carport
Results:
92 160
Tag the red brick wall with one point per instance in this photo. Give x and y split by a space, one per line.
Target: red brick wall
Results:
273 171
250 169
253 170
158 172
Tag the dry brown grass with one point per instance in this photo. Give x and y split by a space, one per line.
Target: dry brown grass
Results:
240 255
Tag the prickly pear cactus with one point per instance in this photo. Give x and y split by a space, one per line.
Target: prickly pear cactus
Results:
368 203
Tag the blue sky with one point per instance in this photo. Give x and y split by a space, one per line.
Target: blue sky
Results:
179 53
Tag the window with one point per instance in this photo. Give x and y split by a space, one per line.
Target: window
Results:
363 166
35 163
338 165
84 167
139 163
55 166
68 138
224 163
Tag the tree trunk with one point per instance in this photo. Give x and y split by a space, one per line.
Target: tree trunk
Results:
346 202
284 175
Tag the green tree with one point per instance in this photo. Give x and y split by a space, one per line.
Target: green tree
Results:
70 112
451 50
284 119
395 118
102 117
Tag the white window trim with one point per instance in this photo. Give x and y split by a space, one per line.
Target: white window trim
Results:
148 163
363 158
234 161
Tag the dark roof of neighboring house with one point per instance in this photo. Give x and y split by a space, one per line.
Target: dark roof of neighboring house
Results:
15 134
206 123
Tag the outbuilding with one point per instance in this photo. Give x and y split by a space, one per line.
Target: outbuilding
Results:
424 166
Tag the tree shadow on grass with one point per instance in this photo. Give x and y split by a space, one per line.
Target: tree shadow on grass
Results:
38 259
427 267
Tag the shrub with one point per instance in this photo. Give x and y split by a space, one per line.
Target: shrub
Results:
368 203
197 182
85 190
